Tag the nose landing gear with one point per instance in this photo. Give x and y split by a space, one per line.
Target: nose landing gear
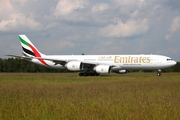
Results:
159 72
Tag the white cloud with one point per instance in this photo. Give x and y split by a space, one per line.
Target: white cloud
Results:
4 4
127 29
5 9
13 19
100 7
19 22
61 44
65 7
20 1
175 26
128 2
168 37
127 6
7 6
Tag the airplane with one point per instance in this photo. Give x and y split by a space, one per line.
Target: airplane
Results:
94 65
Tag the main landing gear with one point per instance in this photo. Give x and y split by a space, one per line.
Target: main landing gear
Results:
159 72
88 74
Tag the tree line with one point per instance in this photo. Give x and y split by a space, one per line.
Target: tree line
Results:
20 65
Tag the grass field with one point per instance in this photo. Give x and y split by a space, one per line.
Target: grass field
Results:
133 96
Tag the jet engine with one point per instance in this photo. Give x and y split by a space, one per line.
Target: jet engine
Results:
121 71
102 69
74 66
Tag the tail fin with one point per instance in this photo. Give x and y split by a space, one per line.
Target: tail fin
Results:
30 50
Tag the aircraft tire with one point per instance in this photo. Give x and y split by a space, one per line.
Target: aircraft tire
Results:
158 74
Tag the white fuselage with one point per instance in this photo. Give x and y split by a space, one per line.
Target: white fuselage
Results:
118 62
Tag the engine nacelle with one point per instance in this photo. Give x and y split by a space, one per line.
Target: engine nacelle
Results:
74 66
121 71
102 69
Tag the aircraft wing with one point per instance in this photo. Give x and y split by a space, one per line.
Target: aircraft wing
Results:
21 57
89 64
63 61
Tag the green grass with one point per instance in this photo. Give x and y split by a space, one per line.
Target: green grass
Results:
26 96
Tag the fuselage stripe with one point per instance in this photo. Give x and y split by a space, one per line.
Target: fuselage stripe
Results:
37 54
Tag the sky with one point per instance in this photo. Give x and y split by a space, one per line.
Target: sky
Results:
92 27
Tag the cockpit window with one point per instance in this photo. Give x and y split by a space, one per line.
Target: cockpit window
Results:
169 59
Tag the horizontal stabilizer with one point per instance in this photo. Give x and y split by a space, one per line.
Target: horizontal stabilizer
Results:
21 57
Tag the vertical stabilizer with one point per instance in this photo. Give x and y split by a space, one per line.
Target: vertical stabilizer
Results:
29 49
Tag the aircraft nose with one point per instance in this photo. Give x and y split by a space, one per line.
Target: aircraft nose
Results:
174 62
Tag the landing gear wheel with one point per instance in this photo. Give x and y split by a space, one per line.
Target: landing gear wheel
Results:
159 72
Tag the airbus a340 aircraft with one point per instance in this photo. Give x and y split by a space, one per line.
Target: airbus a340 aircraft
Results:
94 65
